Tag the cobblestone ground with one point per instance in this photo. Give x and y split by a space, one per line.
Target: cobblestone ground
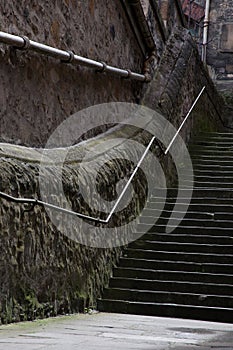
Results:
114 332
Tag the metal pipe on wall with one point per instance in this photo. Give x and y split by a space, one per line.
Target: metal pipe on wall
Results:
205 31
24 43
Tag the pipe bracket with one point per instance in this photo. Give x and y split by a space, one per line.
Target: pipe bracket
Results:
103 69
129 76
70 59
26 44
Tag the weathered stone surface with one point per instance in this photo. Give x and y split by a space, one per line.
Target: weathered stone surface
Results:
37 93
220 41
42 271
176 84
115 331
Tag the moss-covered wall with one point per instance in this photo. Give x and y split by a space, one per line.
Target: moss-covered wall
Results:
43 271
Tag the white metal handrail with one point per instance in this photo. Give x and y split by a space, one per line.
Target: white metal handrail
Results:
182 124
24 43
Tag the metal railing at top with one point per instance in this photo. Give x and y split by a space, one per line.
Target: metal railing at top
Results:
24 43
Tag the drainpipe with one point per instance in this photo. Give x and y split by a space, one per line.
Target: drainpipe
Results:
139 25
205 31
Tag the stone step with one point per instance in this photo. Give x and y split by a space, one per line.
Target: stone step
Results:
214 142
189 222
172 286
187 272
202 192
221 172
214 160
207 201
161 230
165 275
208 230
168 297
182 247
211 135
209 179
209 157
188 238
167 310
209 182
179 256
211 145
210 205
210 153
213 185
176 265
196 148
155 214
213 168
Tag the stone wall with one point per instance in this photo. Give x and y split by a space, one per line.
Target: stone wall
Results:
219 52
172 14
37 92
220 46
44 272
178 81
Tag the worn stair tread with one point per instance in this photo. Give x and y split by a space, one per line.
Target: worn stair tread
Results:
173 265
147 227
171 285
173 272
212 146
196 204
211 184
214 167
221 171
183 267
174 282
188 236
156 213
207 200
170 304
168 310
168 297
181 256
213 143
183 227
178 253
187 276
182 244
168 292
191 220
177 262
175 246
212 160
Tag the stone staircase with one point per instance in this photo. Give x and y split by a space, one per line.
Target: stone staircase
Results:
187 273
